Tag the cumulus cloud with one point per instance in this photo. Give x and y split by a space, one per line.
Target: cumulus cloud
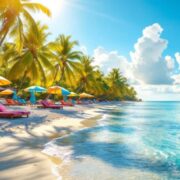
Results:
148 65
109 60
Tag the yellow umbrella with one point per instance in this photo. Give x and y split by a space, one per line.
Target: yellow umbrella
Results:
58 90
85 95
73 94
4 81
6 92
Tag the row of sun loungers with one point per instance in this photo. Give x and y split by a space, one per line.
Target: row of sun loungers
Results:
5 113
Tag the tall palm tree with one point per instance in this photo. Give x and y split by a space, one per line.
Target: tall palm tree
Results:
67 63
117 83
87 78
35 60
14 14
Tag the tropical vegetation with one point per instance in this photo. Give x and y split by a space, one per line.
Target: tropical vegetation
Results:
28 58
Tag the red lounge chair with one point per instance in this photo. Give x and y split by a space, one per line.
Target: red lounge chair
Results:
5 113
46 104
63 103
12 102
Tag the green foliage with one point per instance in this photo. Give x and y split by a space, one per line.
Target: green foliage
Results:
31 60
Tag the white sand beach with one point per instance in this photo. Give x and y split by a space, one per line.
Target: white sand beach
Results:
22 140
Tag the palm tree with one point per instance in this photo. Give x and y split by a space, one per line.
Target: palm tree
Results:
87 78
117 83
67 63
14 14
7 52
34 61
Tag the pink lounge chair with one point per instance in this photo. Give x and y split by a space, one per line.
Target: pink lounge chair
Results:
5 113
46 104
63 103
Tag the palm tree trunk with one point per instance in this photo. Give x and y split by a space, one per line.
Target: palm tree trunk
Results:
80 87
62 75
22 81
55 76
3 37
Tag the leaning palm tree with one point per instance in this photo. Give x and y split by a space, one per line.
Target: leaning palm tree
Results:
14 14
35 60
67 63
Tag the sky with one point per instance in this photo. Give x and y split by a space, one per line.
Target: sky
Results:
141 37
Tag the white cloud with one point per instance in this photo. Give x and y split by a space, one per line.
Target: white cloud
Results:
109 60
148 65
177 56
153 76
170 62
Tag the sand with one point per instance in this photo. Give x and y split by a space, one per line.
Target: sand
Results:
22 139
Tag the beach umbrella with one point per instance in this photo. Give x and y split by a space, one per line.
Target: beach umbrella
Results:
85 95
4 81
72 94
35 89
6 92
58 90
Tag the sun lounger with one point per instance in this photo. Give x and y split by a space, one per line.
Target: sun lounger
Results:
5 113
11 102
63 103
46 104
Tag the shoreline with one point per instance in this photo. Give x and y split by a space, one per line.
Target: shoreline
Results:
22 140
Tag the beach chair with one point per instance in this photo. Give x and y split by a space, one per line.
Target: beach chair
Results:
11 102
5 113
64 103
46 104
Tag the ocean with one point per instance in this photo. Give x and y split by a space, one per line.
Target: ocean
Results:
132 141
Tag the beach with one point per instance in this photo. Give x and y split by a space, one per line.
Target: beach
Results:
22 140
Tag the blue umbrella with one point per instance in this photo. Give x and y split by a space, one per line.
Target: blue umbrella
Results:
35 89
65 92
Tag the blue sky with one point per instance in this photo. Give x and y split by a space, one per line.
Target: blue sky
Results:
116 24
109 30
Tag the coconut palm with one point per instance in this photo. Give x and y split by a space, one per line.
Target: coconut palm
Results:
67 63
35 60
7 52
87 77
14 14
117 83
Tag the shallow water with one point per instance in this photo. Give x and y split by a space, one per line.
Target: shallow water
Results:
138 140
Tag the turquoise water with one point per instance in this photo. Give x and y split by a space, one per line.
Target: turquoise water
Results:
138 140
